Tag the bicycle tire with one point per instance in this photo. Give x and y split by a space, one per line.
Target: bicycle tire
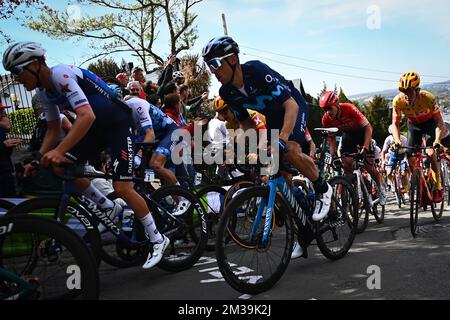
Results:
362 223
7 205
228 240
212 217
335 218
378 209
65 238
49 206
397 191
236 188
415 195
437 209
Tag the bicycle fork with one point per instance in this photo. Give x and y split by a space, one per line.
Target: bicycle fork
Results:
269 204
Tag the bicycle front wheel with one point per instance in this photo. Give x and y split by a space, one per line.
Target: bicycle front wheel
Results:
49 257
250 264
415 200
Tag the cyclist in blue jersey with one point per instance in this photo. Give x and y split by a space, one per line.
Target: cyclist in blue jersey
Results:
253 85
152 124
103 121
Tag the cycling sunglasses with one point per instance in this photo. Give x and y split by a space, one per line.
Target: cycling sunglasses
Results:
17 70
216 63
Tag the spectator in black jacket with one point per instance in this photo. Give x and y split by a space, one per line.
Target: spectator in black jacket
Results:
7 185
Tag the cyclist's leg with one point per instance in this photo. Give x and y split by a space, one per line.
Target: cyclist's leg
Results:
429 129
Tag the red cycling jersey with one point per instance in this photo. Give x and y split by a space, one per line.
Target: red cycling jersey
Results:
351 119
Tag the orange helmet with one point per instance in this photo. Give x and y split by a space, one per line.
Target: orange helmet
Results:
218 104
409 80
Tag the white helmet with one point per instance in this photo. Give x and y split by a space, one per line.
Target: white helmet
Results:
178 74
21 53
391 129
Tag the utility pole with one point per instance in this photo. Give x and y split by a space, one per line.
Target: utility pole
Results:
225 30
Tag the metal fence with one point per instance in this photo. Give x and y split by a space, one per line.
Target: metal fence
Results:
20 112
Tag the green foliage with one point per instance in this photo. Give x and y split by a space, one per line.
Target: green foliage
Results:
123 27
380 117
23 121
104 68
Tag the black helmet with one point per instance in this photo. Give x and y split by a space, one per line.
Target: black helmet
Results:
219 47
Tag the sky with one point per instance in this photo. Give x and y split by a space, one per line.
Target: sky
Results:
331 41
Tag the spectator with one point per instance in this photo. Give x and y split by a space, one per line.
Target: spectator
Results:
172 104
178 77
123 80
191 105
155 100
134 88
4 121
7 185
138 75
150 88
166 76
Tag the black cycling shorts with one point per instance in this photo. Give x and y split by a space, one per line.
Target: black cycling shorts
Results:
117 138
351 140
416 132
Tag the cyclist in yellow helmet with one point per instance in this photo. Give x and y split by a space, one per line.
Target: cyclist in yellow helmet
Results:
424 118
255 121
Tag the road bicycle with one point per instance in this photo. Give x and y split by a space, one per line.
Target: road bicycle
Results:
258 227
421 190
129 247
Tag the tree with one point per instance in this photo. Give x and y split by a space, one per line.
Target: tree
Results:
105 69
199 80
128 26
10 8
380 117
342 97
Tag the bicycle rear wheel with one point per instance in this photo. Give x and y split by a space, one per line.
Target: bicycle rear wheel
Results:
415 200
437 209
48 255
247 264
363 210
378 209
336 233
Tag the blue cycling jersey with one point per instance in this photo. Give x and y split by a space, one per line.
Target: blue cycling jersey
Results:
147 116
75 88
265 91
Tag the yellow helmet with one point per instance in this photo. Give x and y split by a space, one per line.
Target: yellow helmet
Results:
218 104
409 80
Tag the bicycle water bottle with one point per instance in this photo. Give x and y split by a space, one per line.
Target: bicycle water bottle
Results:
127 219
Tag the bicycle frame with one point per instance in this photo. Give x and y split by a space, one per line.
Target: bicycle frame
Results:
275 185
26 288
417 164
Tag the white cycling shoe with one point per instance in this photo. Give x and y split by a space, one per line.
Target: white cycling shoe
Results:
158 250
323 203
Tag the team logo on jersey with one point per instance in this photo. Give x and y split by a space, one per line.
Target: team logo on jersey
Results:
65 88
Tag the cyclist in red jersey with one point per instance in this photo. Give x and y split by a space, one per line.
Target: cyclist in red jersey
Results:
356 131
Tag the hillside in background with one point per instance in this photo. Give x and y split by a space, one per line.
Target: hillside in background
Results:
441 90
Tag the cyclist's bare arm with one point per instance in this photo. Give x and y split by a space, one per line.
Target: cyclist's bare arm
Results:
396 125
290 117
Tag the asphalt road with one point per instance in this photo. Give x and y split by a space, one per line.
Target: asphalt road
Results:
408 268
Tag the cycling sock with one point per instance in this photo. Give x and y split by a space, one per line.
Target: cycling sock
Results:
320 186
150 227
99 198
